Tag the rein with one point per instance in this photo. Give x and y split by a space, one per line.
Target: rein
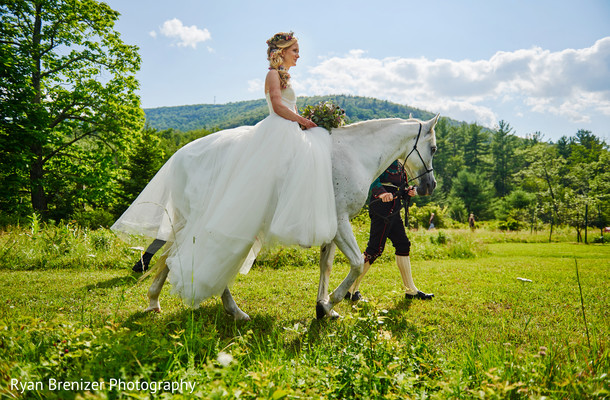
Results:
401 192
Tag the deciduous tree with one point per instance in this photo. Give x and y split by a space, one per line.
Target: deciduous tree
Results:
69 102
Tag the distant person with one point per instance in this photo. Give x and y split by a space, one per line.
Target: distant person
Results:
431 222
386 223
471 221
219 198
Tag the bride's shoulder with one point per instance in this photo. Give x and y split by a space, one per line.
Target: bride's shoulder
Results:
272 81
273 77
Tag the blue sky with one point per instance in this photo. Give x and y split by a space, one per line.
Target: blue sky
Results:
539 65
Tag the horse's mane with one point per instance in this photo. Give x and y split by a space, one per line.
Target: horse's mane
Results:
382 122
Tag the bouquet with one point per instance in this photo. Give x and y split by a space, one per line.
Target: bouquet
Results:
325 114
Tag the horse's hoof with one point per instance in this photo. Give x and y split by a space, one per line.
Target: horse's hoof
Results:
153 309
324 309
320 310
241 316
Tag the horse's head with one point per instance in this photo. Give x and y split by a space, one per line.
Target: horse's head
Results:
419 158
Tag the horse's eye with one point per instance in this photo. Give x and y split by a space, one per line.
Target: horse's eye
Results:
433 149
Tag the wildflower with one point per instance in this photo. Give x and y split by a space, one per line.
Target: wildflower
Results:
224 359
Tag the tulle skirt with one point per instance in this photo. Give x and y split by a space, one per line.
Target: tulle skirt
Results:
219 199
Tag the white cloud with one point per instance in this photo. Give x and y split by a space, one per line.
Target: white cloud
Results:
186 35
572 83
255 85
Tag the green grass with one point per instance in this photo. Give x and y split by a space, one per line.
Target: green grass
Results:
486 334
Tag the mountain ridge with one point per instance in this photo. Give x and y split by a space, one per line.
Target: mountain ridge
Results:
249 112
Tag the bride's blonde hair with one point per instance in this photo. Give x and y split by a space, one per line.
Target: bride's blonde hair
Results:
277 44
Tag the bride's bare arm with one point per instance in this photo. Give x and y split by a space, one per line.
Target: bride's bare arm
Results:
272 83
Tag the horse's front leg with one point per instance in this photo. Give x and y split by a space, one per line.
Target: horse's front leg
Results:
346 241
327 255
231 307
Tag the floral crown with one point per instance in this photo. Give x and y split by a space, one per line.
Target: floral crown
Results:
279 37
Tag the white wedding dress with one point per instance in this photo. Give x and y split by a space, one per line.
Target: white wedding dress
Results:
220 198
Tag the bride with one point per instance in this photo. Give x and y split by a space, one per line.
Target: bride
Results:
220 198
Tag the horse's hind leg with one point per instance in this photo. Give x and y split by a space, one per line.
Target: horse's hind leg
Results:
157 285
231 307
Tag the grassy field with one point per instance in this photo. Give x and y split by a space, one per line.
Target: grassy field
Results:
72 326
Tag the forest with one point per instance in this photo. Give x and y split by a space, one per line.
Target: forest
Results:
75 148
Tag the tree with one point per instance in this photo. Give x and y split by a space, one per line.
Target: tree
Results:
543 176
68 102
476 148
448 160
475 192
585 147
503 152
587 179
516 205
143 162
563 147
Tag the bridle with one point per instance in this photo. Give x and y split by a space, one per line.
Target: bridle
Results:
400 194
414 149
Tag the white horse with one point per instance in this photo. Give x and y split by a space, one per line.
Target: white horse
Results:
361 152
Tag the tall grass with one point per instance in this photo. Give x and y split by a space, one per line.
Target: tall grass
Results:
64 245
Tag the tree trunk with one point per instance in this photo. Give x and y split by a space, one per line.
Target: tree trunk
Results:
38 195
601 225
586 221
577 226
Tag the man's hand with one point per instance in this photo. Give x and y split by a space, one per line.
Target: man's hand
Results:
386 197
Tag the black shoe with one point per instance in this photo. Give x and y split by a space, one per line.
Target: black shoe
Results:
356 296
348 295
142 264
420 296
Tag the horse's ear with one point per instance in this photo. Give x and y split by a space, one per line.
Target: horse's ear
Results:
435 119
431 123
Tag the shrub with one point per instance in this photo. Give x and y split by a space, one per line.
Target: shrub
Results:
419 217
94 219
457 209
440 238
510 224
